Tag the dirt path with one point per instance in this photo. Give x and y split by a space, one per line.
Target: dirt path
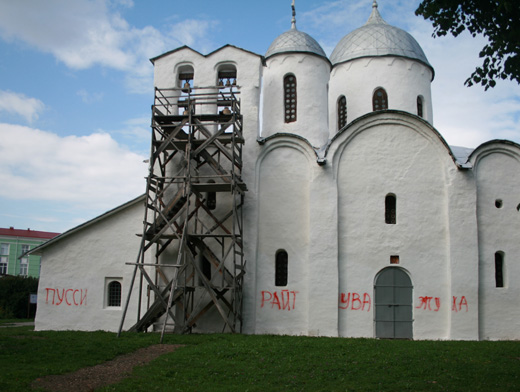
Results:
90 378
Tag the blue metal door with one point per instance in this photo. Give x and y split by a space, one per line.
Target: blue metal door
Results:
393 304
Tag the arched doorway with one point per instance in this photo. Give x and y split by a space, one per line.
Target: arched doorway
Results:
393 304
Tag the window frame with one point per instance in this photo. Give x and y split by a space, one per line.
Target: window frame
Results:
420 106
341 111
109 284
499 269
390 209
290 98
379 101
281 268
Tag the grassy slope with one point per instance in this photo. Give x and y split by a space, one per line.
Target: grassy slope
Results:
266 363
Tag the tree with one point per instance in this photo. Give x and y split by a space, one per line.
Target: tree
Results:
497 20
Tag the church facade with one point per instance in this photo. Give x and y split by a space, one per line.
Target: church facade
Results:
359 219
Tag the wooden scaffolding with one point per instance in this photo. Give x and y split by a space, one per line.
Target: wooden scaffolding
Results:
191 261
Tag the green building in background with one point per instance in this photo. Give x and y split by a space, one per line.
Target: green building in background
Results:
13 244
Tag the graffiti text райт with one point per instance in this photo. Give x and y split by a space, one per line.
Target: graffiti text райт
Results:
281 300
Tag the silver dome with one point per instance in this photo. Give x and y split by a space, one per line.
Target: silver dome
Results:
377 38
295 41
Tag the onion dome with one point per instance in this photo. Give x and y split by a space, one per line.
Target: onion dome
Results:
375 39
295 41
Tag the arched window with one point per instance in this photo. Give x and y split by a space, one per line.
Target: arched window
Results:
186 74
420 106
290 101
390 209
114 294
499 269
380 100
342 112
281 268
227 76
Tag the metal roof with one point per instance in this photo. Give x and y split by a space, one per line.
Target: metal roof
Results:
12 232
295 41
377 38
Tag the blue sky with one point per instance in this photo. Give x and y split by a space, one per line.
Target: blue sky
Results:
76 87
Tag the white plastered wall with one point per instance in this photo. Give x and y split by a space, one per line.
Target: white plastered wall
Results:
497 167
403 79
71 292
312 75
397 154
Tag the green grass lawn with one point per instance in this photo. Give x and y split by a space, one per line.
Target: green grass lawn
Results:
266 363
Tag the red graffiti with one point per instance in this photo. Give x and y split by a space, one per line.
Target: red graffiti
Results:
287 302
354 302
461 303
70 296
426 303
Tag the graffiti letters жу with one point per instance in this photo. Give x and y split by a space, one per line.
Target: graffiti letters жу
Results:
426 303
69 297
353 301
283 300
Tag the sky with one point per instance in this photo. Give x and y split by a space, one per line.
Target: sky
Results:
76 87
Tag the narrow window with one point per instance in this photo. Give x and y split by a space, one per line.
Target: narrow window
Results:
3 265
281 268
211 198
24 266
390 209
206 268
380 100
114 294
499 269
420 106
289 87
342 112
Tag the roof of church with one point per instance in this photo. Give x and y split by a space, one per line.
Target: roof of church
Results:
377 38
294 40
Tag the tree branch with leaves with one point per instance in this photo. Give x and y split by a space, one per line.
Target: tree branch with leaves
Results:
497 20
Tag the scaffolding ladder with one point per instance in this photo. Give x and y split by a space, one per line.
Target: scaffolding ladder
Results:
191 263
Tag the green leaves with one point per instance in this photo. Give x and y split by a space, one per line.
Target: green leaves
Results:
497 20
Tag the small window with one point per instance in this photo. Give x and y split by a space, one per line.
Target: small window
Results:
390 209
24 266
206 268
4 249
499 269
380 100
281 268
420 106
394 259
290 101
24 249
114 294
342 112
3 265
498 203
211 198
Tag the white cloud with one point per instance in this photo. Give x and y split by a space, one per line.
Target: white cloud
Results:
90 172
86 33
19 104
89 98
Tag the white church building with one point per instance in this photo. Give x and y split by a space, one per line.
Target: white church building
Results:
358 219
